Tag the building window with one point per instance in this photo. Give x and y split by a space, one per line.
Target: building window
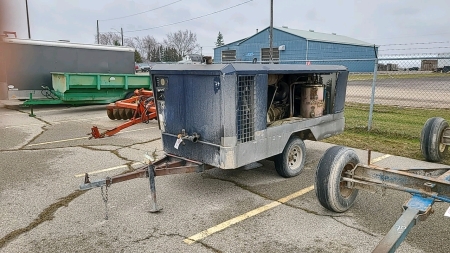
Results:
228 55
265 55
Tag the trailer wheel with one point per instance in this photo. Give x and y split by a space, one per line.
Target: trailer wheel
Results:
431 139
292 160
110 114
332 192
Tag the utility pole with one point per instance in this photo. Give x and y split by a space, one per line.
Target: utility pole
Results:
98 34
271 32
121 33
28 19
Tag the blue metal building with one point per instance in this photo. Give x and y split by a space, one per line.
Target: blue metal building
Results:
298 46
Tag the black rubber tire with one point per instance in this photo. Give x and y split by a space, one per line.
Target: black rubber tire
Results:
292 160
110 114
431 139
129 95
333 193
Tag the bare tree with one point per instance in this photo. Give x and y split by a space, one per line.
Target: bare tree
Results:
109 38
130 42
185 42
149 44
144 46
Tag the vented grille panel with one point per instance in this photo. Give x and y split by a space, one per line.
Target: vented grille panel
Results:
228 55
245 110
265 55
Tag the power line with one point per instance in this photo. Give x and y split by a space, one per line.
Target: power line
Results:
190 19
141 12
392 49
409 36
115 32
418 43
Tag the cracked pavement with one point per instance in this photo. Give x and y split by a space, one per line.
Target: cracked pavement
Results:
42 209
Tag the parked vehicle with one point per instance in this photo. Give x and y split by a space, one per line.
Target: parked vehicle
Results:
144 67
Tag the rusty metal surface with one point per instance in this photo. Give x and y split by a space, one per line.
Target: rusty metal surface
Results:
143 107
446 137
151 178
169 165
372 175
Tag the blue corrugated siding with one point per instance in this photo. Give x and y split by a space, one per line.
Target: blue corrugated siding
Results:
344 53
296 51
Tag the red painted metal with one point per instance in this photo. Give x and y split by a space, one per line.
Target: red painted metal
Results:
143 105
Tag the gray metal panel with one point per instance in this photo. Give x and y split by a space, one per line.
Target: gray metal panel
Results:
286 68
29 66
175 104
194 151
272 141
243 68
203 105
341 88
189 69
228 90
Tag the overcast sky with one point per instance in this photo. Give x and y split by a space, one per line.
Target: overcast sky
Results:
419 24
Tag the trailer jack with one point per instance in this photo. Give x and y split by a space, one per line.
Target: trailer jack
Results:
169 165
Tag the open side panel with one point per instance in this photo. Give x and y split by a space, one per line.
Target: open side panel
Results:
302 96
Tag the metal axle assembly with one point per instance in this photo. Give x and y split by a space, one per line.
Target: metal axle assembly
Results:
340 175
169 165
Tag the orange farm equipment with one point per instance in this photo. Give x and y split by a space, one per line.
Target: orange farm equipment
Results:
139 108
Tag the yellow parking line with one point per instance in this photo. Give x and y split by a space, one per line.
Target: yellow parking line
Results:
228 223
51 142
80 138
379 158
104 170
55 122
75 120
40 124
223 225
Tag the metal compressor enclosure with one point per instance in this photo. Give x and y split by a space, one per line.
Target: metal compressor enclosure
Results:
230 115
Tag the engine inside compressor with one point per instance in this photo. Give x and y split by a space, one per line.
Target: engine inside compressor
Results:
297 96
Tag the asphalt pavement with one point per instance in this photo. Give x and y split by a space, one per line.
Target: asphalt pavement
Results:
43 160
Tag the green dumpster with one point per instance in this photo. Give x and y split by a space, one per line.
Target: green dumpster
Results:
92 88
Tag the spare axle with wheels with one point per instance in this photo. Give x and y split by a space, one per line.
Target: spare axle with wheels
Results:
435 139
340 175
230 115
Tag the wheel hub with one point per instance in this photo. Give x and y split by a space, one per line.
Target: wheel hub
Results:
345 191
295 157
